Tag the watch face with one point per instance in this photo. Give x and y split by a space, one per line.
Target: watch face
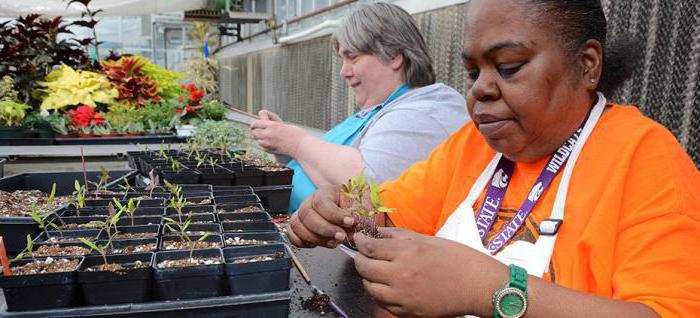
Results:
512 304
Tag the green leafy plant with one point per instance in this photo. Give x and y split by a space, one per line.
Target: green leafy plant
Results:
155 183
158 117
175 165
102 249
167 80
79 196
213 162
355 191
41 221
216 134
126 186
65 87
99 186
214 110
7 90
12 113
129 208
177 200
28 250
182 232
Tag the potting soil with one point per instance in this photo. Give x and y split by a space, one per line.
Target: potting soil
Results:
49 265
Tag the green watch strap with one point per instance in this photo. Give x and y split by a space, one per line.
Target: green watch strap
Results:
518 277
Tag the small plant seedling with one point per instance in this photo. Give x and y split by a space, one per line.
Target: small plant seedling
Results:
213 162
182 232
175 165
155 183
129 208
99 186
177 200
199 158
102 249
41 221
50 204
126 187
355 191
28 250
79 196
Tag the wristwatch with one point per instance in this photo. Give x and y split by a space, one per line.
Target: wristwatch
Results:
511 300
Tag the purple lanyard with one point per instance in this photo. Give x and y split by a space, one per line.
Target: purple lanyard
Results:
497 191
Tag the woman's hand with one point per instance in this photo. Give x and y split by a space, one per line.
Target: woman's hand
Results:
414 275
320 221
273 135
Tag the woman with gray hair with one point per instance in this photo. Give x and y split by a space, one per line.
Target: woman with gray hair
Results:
403 113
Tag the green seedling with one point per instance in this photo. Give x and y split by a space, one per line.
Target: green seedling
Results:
28 250
213 162
129 208
41 221
199 158
182 232
102 249
126 187
177 200
355 190
50 204
99 186
79 196
377 202
175 165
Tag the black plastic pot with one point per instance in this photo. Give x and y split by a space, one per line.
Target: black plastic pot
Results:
182 177
232 207
148 211
39 245
194 217
195 194
251 176
220 176
79 220
41 291
239 189
195 228
192 209
131 285
282 177
85 211
170 238
239 198
242 216
132 229
142 193
200 199
88 234
257 277
140 220
249 227
189 282
193 187
118 245
275 199
268 237
224 193
15 229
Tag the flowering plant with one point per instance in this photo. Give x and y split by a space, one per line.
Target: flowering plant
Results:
85 116
190 102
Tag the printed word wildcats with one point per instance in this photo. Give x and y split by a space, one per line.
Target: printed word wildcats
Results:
563 152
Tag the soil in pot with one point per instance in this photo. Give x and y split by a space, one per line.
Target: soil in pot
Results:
132 246
249 208
252 239
189 262
189 274
60 250
42 284
124 278
258 258
19 203
175 243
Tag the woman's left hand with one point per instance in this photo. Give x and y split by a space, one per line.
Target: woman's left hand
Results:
414 275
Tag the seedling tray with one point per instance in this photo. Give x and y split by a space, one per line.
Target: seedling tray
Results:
275 199
272 305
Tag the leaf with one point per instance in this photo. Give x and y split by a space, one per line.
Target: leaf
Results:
35 215
89 244
207 234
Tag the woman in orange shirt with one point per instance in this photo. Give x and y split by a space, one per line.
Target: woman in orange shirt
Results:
552 203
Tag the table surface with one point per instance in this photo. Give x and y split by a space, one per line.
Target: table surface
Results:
332 271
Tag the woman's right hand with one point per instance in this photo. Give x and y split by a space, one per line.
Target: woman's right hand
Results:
320 221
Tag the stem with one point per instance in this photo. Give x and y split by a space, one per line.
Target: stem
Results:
82 158
132 219
104 256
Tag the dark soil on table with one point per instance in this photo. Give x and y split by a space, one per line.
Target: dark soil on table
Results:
318 304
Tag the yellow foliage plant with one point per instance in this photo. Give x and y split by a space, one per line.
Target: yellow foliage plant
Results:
65 87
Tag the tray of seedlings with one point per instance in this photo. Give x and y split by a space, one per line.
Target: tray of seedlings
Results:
108 255
219 167
39 193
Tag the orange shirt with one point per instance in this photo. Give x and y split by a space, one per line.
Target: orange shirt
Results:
631 228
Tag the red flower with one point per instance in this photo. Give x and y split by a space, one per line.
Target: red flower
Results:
84 116
189 87
179 99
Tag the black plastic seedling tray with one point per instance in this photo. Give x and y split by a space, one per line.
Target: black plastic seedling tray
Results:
270 305
15 229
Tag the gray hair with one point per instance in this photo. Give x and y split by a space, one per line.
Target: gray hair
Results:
386 30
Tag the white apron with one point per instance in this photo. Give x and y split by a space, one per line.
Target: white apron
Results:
535 258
